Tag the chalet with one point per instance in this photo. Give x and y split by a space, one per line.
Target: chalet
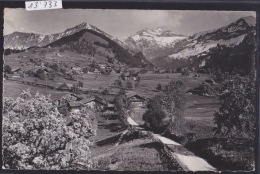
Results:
162 71
94 103
210 81
65 86
102 65
114 91
108 67
127 75
113 71
77 69
75 106
156 71
96 71
15 70
110 107
75 97
136 100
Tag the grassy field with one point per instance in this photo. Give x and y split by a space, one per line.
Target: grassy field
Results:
130 155
137 155
14 89
199 110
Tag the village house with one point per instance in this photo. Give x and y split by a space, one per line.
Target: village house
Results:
96 71
127 75
136 100
65 87
75 106
102 65
77 69
94 103
15 70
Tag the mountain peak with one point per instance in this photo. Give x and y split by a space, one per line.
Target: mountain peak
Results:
157 32
250 20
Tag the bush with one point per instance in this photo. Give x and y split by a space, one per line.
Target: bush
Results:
35 135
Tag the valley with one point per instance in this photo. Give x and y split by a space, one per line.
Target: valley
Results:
148 102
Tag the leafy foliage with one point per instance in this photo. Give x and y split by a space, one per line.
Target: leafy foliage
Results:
35 135
155 117
175 104
236 116
122 105
7 69
165 112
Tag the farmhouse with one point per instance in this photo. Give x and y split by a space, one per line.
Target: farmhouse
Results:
93 103
65 86
15 70
136 100
77 69
96 71
75 106
102 65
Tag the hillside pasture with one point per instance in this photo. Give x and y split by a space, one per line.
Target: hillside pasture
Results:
14 89
199 110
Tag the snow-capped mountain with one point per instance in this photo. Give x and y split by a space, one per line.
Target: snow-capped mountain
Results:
20 40
203 46
153 42
230 35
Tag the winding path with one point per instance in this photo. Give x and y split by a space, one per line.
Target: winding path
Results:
188 162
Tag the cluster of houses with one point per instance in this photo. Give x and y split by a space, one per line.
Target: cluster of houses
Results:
103 105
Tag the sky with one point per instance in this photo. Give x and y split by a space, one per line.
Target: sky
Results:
118 23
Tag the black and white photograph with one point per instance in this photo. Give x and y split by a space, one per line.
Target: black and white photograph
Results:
129 90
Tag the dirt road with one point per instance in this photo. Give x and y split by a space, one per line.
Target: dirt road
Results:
188 161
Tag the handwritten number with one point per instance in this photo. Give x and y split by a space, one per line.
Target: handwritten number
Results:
36 5
50 4
30 5
46 4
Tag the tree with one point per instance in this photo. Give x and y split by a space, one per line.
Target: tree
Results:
118 83
121 106
155 117
236 115
179 70
175 103
159 87
129 85
7 69
165 112
35 135
143 71
185 73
